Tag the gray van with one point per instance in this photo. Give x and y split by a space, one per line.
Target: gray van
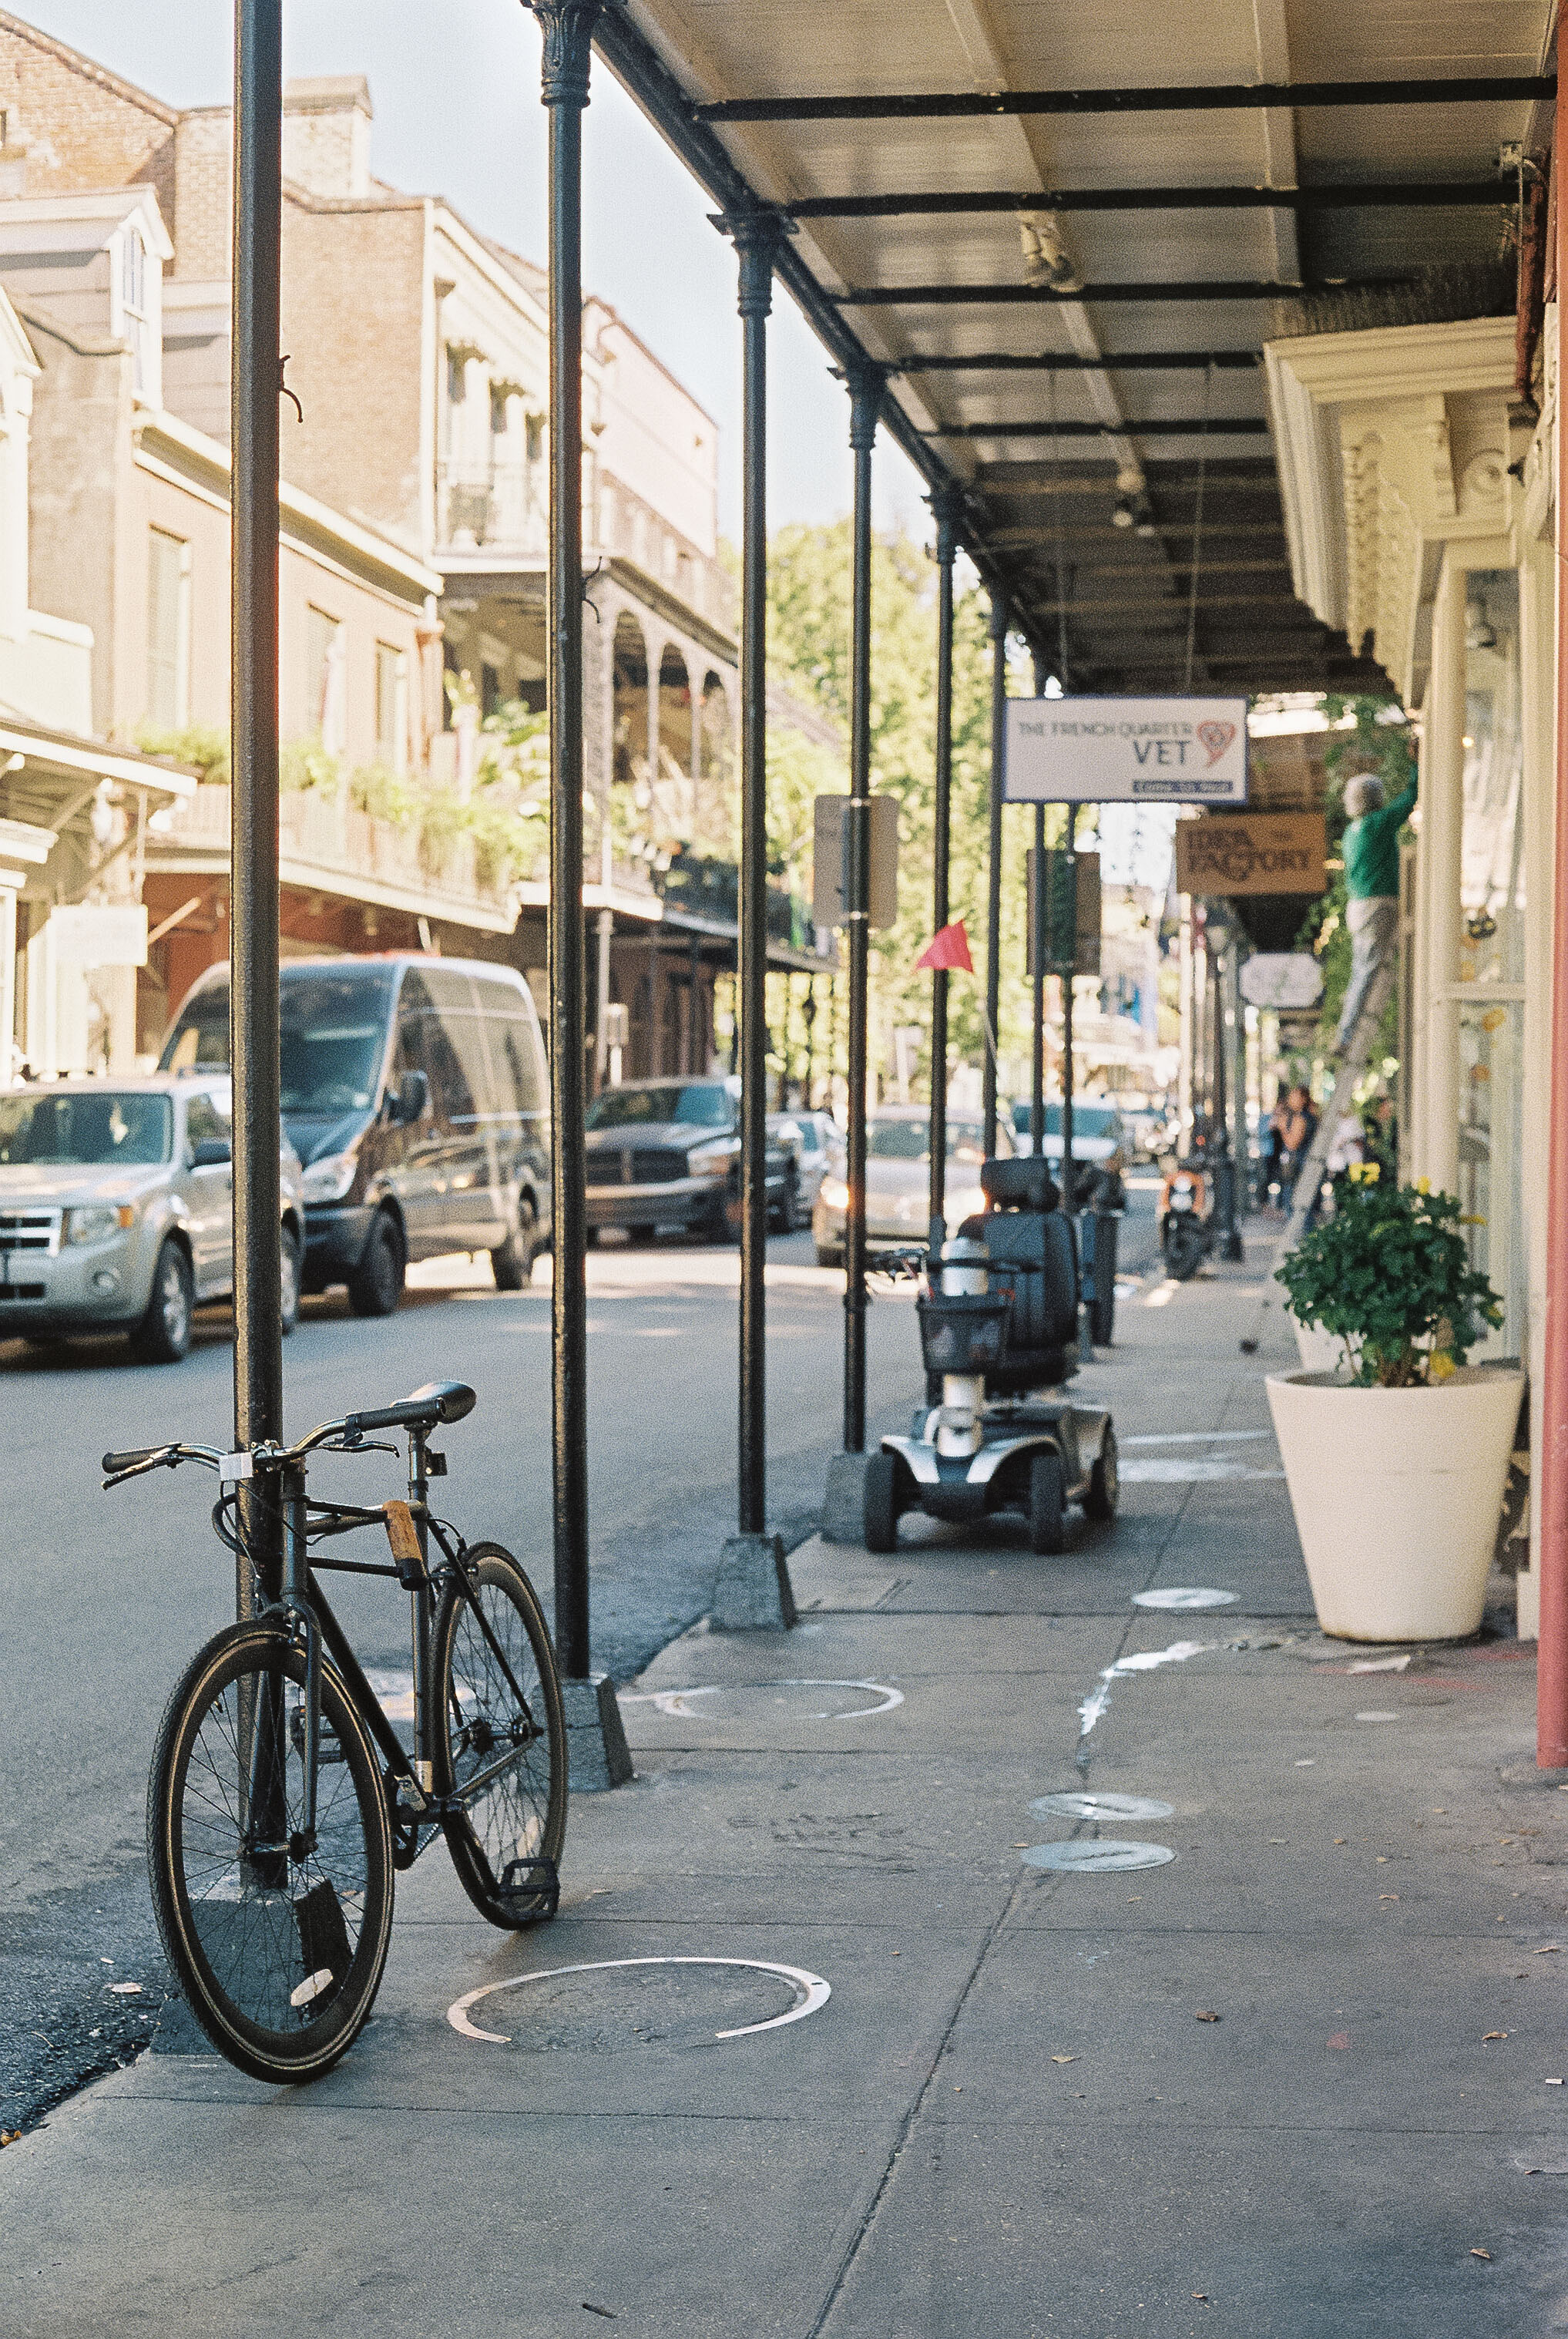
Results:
415 1092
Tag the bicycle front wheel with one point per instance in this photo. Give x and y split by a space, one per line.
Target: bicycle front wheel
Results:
503 1735
275 1933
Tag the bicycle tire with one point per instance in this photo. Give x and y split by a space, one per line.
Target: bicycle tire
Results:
525 1819
249 1941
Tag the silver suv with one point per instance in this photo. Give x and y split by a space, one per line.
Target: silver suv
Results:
116 1209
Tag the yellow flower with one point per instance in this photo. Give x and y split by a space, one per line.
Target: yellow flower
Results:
1424 1185
1372 1171
1440 1366
1354 1172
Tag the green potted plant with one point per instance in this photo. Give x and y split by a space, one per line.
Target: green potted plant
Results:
1395 1464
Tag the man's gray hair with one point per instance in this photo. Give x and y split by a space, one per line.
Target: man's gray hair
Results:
1362 794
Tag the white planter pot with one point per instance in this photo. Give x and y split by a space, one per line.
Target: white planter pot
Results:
1319 1351
1397 1494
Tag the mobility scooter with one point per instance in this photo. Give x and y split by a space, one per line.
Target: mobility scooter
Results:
998 1330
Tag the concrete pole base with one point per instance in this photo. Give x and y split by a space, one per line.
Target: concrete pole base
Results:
596 1750
753 1593
844 1505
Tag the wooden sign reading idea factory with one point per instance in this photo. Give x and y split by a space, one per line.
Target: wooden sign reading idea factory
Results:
1250 852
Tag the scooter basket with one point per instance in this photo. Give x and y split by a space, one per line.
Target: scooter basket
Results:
963 1332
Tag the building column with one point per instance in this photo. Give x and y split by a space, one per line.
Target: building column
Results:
1441 828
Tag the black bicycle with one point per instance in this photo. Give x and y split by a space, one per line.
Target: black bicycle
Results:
282 1799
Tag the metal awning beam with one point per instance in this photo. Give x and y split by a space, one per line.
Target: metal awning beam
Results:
1358 196
949 295
1263 96
1193 427
1130 362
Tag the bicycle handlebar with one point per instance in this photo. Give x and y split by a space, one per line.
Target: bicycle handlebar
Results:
437 1401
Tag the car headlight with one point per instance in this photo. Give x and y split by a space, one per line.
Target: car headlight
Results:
835 1194
704 1159
329 1180
97 1222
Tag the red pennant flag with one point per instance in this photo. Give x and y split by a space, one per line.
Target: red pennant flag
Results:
949 949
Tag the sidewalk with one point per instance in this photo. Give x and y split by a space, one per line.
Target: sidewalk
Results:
1011 2116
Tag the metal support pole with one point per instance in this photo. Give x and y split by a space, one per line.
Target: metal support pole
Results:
597 1742
757 236
994 881
253 924
867 389
946 504
1037 958
1069 962
1225 1166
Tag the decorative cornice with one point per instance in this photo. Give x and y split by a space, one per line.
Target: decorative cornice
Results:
948 506
756 233
867 385
568 27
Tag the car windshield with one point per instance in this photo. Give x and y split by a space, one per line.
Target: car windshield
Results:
707 1103
94 1131
333 1035
910 1140
1088 1120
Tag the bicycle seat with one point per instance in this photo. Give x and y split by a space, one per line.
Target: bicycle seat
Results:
447 1400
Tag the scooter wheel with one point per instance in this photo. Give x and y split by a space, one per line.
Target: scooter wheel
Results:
1100 1501
880 1503
1047 1506
1183 1253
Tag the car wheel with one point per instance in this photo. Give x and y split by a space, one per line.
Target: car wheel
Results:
1104 1489
1046 1504
289 1278
512 1261
376 1285
880 1503
164 1335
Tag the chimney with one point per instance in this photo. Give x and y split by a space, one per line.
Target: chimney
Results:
326 135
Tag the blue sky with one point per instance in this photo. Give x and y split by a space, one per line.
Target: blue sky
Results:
455 87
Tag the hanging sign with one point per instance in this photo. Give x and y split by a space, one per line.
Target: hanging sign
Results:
1126 751
1281 979
1250 852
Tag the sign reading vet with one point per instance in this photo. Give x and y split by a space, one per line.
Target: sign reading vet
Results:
1126 751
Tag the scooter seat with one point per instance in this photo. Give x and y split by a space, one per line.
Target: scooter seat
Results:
1024 1184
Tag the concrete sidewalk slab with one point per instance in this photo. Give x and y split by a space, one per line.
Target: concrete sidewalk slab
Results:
1007 2118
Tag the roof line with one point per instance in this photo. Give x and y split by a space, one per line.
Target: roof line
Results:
91 70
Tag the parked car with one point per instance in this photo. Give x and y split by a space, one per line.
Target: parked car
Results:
1098 1132
666 1154
415 1092
814 1142
116 1211
897 1180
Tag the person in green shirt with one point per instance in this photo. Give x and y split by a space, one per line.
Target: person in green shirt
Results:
1371 886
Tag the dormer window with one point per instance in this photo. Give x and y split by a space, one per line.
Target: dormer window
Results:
135 281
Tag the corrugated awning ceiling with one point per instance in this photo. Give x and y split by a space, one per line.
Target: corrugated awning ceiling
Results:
1100 478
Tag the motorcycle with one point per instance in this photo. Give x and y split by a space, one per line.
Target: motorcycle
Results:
1187 1229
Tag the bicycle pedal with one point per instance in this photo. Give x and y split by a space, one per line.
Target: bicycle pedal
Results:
532 1888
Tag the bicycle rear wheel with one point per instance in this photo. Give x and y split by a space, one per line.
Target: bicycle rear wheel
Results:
507 1843
277 1941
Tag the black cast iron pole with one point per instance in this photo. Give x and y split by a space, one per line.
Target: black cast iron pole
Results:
946 504
253 922
1037 958
867 388
757 236
567 26
1069 963
993 886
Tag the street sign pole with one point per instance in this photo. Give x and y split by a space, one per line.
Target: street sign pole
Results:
1069 963
867 389
253 921
945 504
994 873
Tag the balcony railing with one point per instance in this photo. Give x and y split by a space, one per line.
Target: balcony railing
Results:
491 507
333 839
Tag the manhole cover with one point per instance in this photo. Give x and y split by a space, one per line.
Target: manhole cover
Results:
619 2003
1099 1807
1185 1595
1089 1858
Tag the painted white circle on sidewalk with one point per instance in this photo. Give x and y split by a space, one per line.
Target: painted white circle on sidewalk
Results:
1099 1807
1090 1857
1185 1595
675 1703
1377 1717
811 1991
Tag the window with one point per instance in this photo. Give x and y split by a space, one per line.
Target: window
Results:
325 710
499 399
457 377
535 438
168 630
392 707
135 322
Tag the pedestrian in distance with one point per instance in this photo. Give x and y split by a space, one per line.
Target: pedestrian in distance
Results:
1300 1128
1371 886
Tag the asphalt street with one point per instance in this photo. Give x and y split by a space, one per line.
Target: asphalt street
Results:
107 1596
